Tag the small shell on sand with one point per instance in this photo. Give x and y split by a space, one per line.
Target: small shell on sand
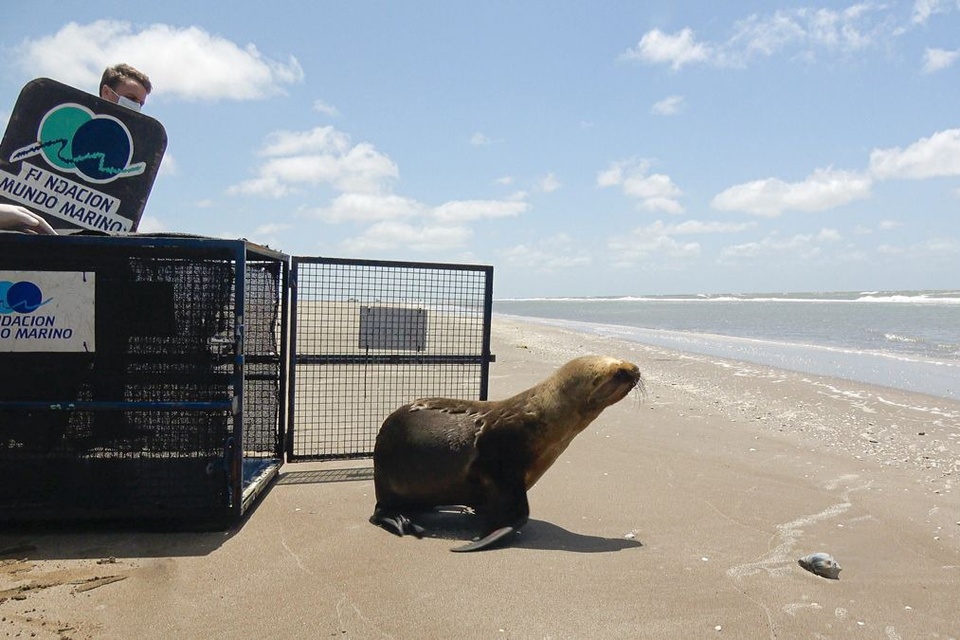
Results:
821 564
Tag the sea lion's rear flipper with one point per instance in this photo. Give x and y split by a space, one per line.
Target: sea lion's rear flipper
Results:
395 522
488 541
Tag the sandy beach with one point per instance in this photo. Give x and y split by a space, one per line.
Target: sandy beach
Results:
680 514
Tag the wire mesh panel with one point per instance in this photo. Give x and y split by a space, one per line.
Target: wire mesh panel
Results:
370 336
171 407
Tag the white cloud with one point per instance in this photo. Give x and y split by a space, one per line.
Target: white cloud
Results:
823 189
829 235
265 185
936 156
321 156
325 157
889 225
548 184
326 109
923 9
187 63
271 228
765 35
368 207
690 227
168 165
801 247
479 139
652 246
390 235
658 241
671 105
802 32
149 224
468 210
925 251
939 59
937 247
655 192
657 47
384 207
890 250
555 252
318 139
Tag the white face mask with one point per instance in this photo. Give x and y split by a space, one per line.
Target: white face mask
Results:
124 101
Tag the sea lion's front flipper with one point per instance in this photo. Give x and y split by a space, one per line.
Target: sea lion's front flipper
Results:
487 541
395 522
504 512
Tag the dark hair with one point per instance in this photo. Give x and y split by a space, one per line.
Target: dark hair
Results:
112 76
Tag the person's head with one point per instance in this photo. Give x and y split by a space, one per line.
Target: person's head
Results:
125 85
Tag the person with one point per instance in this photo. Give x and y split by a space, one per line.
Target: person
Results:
125 85
16 218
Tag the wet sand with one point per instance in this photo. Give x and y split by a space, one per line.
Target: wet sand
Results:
678 515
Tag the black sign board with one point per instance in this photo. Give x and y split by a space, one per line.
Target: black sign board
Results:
79 161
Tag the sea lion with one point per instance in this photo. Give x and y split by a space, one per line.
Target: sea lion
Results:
486 455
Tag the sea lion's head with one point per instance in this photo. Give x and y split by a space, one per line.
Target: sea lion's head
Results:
570 400
597 381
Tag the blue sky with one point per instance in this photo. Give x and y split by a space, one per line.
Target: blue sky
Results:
582 148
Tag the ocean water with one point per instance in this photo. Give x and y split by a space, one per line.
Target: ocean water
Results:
907 340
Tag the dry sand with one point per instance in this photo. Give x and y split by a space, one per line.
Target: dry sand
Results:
678 516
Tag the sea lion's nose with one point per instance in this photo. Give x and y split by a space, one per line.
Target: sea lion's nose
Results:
629 372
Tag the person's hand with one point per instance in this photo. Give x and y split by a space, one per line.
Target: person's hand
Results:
14 218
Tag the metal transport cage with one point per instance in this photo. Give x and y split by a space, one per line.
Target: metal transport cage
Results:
143 377
371 335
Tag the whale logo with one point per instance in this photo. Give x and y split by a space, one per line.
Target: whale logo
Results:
75 140
20 297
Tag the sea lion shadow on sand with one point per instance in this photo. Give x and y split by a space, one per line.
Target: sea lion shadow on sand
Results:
460 523
550 537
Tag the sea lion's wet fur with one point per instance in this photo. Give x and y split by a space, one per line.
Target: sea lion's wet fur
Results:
487 454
